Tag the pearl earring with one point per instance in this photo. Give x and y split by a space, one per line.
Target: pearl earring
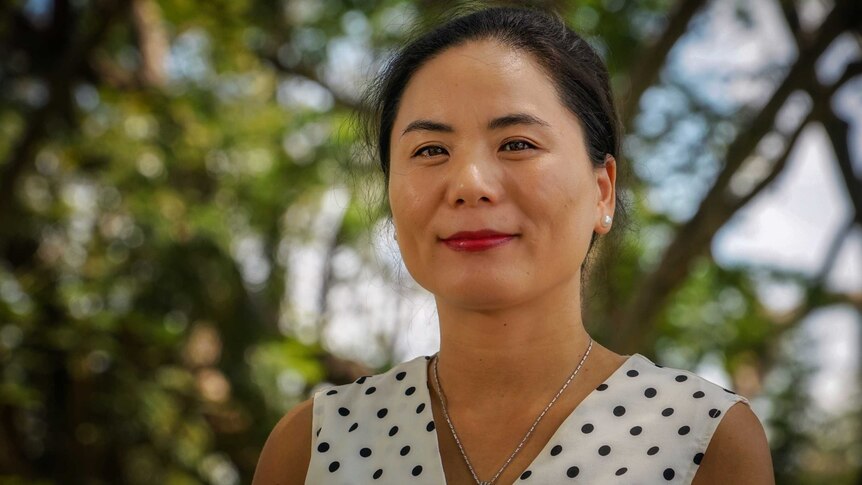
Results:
606 221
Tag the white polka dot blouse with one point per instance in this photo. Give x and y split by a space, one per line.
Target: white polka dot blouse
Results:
645 424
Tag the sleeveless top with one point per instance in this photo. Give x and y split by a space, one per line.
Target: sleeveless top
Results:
644 424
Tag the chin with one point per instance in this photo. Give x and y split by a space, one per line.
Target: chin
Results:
479 294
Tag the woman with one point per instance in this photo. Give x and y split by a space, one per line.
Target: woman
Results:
499 143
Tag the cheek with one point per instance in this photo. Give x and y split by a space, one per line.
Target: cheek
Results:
562 203
408 201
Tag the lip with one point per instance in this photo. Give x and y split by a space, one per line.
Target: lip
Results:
480 240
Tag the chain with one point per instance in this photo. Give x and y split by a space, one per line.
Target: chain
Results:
527 436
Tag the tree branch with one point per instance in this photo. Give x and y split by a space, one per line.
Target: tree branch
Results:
693 237
852 70
152 41
310 74
58 83
838 131
816 298
799 75
839 134
777 167
834 249
791 16
653 57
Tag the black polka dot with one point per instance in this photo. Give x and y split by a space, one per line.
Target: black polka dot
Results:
427 357
622 408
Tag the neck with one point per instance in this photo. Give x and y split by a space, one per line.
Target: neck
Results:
496 362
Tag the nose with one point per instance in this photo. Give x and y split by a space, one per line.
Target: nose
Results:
473 181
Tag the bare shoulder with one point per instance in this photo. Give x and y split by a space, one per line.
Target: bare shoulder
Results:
285 456
738 452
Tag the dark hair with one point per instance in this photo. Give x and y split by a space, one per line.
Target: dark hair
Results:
578 73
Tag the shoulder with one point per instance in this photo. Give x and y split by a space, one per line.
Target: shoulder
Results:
285 456
345 397
696 391
731 445
736 449
738 452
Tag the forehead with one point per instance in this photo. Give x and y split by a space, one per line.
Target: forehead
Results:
477 81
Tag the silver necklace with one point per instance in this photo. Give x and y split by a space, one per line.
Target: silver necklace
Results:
527 436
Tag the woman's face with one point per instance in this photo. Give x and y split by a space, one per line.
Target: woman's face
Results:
481 141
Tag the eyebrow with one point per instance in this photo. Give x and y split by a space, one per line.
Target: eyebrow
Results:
515 119
495 124
427 125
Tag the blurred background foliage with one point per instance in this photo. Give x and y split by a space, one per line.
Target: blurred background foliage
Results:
165 165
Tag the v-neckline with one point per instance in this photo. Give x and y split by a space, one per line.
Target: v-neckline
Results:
426 395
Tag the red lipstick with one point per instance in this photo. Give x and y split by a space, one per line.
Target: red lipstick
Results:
476 240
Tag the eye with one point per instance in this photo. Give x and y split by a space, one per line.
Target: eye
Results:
517 145
430 151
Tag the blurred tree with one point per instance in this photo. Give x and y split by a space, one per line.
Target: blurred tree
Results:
160 162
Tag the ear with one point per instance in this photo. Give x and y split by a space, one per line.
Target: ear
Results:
606 179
